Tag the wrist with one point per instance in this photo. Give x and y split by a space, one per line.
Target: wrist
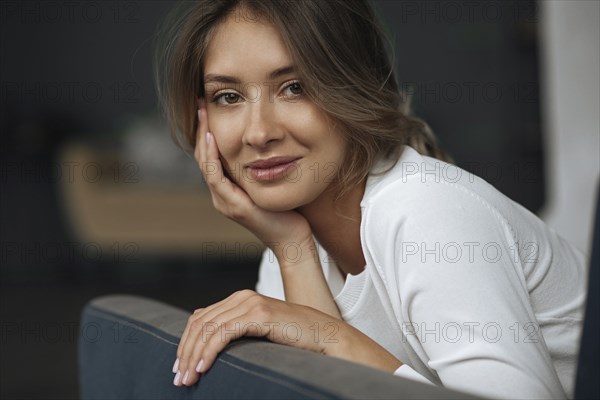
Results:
357 347
293 254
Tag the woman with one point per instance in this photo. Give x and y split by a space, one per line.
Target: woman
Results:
378 250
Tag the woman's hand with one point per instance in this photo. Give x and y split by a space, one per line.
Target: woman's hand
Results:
274 229
247 313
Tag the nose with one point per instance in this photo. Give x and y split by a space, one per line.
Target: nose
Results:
262 128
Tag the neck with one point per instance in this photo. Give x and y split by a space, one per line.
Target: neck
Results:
336 225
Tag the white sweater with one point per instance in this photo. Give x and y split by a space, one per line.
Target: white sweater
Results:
464 286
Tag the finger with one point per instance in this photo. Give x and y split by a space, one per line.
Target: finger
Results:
234 328
225 327
205 314
184 338
216 179
186 332
201 130
227 195
185 365
212 166
195 324
198 137
213 330
208 169
203 125
193 317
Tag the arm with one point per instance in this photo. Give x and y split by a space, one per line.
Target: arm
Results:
459 307
289 282
246 313
304 282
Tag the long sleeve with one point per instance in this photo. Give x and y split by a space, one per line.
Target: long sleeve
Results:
270 282
457 288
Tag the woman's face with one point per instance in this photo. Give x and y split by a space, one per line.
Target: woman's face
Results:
274 142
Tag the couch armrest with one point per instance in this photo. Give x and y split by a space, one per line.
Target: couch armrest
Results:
127 347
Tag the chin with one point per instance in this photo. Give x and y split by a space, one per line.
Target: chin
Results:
278 202
276 205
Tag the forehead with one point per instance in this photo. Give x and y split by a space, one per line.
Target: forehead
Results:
242 46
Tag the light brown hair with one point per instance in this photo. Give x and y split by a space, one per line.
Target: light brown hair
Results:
341 55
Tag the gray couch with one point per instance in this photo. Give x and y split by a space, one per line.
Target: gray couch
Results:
128 344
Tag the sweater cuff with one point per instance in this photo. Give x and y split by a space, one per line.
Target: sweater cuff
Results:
407 372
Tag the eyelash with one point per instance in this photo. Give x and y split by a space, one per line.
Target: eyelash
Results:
218 96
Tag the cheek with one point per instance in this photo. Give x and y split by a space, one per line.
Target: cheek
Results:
227 135
228 150
317 131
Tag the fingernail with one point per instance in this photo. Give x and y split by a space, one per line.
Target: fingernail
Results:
199 366
176 365
185 377
208 138
177 379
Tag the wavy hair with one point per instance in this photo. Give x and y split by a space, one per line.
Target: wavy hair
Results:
341 55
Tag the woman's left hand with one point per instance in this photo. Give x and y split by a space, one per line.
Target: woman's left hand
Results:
247 313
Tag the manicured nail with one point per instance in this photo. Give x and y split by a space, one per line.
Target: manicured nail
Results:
185 377
199 366
208 138
176 365
177 379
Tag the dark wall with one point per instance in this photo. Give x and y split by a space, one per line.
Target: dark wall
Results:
471 68
84 62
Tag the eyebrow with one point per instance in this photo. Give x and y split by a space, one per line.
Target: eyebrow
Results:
231 79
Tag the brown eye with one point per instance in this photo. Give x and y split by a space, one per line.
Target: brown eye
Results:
295 88
229 98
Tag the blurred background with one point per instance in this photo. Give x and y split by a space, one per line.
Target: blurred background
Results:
95 197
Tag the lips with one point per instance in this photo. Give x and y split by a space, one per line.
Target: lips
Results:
272 169
271 162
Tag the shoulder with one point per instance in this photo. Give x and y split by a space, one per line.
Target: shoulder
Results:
422 195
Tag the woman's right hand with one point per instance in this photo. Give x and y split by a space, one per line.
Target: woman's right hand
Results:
277 230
